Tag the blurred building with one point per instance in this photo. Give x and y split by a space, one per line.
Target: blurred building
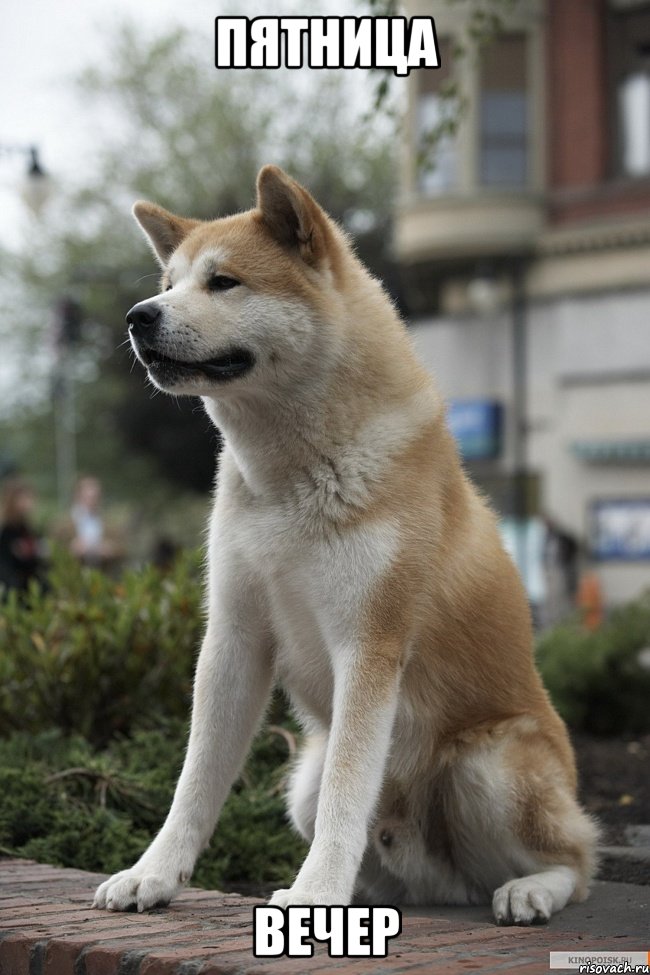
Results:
526 263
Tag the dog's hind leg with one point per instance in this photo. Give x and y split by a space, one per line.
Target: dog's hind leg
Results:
559 837
532 899
501 823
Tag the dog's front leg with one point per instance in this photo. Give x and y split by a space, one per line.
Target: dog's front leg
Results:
366 684
233 680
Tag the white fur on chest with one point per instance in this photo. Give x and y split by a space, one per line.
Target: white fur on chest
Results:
315 587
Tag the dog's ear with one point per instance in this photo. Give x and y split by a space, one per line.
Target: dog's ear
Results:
163 230
291 215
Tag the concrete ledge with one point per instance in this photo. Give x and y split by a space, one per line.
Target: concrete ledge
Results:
630 864
638 854
47 927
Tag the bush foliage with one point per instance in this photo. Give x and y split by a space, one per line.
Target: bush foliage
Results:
64 802
95 693
95 656
597 680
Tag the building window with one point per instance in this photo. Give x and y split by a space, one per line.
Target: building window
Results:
503 113
634 109
629 39
437 158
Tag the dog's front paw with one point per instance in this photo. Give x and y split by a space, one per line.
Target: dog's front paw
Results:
137 889
311 896
522 901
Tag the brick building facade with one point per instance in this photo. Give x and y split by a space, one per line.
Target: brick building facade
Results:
525 255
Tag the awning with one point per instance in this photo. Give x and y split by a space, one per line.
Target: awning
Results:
612 451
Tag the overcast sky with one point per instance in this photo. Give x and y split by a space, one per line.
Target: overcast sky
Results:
44 44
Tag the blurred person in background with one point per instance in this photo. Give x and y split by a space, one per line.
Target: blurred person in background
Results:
165 552
90 541
22 553
589 600
560 558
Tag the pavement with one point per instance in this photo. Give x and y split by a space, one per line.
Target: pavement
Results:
47 927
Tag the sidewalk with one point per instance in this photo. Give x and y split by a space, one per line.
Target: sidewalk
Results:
48 928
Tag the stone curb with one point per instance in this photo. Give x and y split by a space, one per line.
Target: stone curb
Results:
47 927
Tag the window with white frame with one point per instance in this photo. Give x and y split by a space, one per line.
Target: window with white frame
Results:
628 36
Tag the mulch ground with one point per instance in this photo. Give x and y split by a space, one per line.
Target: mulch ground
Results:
615 782
614 775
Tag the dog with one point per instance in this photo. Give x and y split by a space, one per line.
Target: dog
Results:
351 560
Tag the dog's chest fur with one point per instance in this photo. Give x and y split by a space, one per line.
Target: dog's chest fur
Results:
314 579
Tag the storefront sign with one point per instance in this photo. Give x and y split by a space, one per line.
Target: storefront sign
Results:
620 529
476 425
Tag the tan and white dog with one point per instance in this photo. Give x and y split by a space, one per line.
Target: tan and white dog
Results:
351 560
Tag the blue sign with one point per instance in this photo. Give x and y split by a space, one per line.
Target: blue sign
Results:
620 529
477 426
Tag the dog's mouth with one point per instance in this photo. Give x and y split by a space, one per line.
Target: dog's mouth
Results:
235 362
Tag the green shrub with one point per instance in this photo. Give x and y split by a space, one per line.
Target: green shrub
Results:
96 656
66 803
596 679
95 693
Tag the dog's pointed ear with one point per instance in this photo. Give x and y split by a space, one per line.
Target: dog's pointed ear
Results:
163 230
291 215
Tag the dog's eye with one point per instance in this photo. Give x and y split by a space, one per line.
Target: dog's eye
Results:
220 282
169 287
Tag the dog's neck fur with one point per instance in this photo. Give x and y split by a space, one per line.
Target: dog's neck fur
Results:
320 448
271 439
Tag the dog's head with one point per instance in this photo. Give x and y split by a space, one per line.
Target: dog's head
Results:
244 300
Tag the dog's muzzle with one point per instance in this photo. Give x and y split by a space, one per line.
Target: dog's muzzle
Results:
144 320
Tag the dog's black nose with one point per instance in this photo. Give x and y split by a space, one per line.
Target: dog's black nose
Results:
143 316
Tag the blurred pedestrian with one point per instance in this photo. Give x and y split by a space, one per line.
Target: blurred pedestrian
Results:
21 548
165 552
589 600
91 542
560 558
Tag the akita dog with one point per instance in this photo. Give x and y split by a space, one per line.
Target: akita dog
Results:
353 561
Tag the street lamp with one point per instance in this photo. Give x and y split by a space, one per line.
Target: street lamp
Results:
67 334
37 186
35 192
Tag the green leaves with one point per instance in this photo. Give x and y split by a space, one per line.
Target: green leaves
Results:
596 680
62 801
95 687
96 656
